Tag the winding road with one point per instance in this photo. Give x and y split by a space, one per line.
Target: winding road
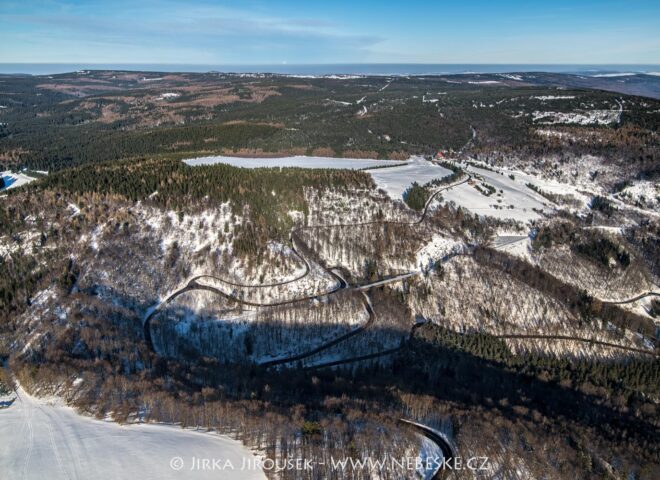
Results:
193 283
641 296
440 439
340 284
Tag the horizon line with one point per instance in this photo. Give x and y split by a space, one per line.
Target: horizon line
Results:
322 64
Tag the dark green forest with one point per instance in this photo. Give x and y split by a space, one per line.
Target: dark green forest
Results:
51 124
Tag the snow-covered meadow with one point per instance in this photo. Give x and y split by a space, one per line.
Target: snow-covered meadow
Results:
45 439
511 199
396 180
15 179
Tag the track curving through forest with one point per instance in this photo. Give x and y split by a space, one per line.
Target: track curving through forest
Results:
341 284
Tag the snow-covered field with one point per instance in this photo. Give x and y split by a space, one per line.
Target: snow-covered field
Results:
552 97
300 161
15 179
396 180
511 199
41 439
551 186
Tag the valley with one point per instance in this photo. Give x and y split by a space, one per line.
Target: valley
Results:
309 265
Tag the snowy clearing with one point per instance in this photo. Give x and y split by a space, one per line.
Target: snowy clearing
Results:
510 199
15 180
396 180
435 250
300 161
42 439
552 186
511 76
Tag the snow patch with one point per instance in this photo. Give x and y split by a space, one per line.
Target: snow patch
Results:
553 97
438 248
169 96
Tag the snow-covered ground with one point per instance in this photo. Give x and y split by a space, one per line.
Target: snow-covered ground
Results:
645 193
41 439
15 179
300 161
551 186
553 97
396 180
435 250
591 117
511 199
619 74
169 96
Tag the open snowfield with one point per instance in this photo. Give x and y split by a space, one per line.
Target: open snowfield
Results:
45 440
15 179
396 180
300 161
512 198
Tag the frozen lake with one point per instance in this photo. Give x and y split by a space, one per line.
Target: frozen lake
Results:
41 439
297 161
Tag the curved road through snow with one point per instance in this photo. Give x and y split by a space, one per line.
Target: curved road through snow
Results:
193 284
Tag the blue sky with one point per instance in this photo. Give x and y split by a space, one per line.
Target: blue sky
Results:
337 31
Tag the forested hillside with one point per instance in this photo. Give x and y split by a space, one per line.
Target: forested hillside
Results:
499 287
73 119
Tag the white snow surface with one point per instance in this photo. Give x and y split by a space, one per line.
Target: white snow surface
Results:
43 439
591 117
300 161
644 192
15 179
396 180
435 250
553 97
510 76
512 199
